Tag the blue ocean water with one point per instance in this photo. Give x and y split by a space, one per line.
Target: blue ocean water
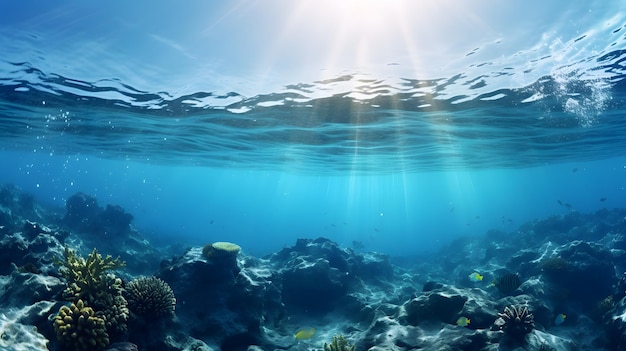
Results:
399 127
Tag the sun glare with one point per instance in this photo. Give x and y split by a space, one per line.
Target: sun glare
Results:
363 15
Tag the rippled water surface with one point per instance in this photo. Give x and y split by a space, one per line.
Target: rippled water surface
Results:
559 100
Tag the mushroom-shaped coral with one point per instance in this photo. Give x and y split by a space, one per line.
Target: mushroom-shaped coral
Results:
220 249
339 343
79 328
150 296
515 321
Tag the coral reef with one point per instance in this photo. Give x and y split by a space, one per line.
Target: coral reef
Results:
239 302
78 328
150 297
88 280
339 343
220 249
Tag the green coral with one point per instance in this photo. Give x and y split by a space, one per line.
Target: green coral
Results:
88 280
79 328
339 343
150 297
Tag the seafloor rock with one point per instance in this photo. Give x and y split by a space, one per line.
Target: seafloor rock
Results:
84 215
110 231
584 269
434 306
122 346
24 289
15 336
447 304
317 276
33 249
220 305
615 321
16 204
386 333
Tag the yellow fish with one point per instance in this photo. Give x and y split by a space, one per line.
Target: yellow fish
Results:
476 277
304 333
463 321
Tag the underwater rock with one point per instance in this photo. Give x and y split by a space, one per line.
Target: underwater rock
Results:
16 204
587 273
37 250
616 326
83 214
80 210
441 305
430 286
317 275
218 304
110 230
386 333
122 346
15 336
313 286
24 289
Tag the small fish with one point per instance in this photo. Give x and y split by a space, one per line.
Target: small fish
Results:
304 333
560 319
574 170
463 321
602 199
476 277
477 217
211 222
568 205
559 202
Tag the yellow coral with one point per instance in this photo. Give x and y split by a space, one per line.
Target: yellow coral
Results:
87 278
78 328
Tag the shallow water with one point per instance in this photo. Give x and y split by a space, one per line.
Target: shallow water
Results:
260 128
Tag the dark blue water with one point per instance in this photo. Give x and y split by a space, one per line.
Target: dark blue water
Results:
503 129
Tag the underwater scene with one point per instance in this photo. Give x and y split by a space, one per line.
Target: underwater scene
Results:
312 175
